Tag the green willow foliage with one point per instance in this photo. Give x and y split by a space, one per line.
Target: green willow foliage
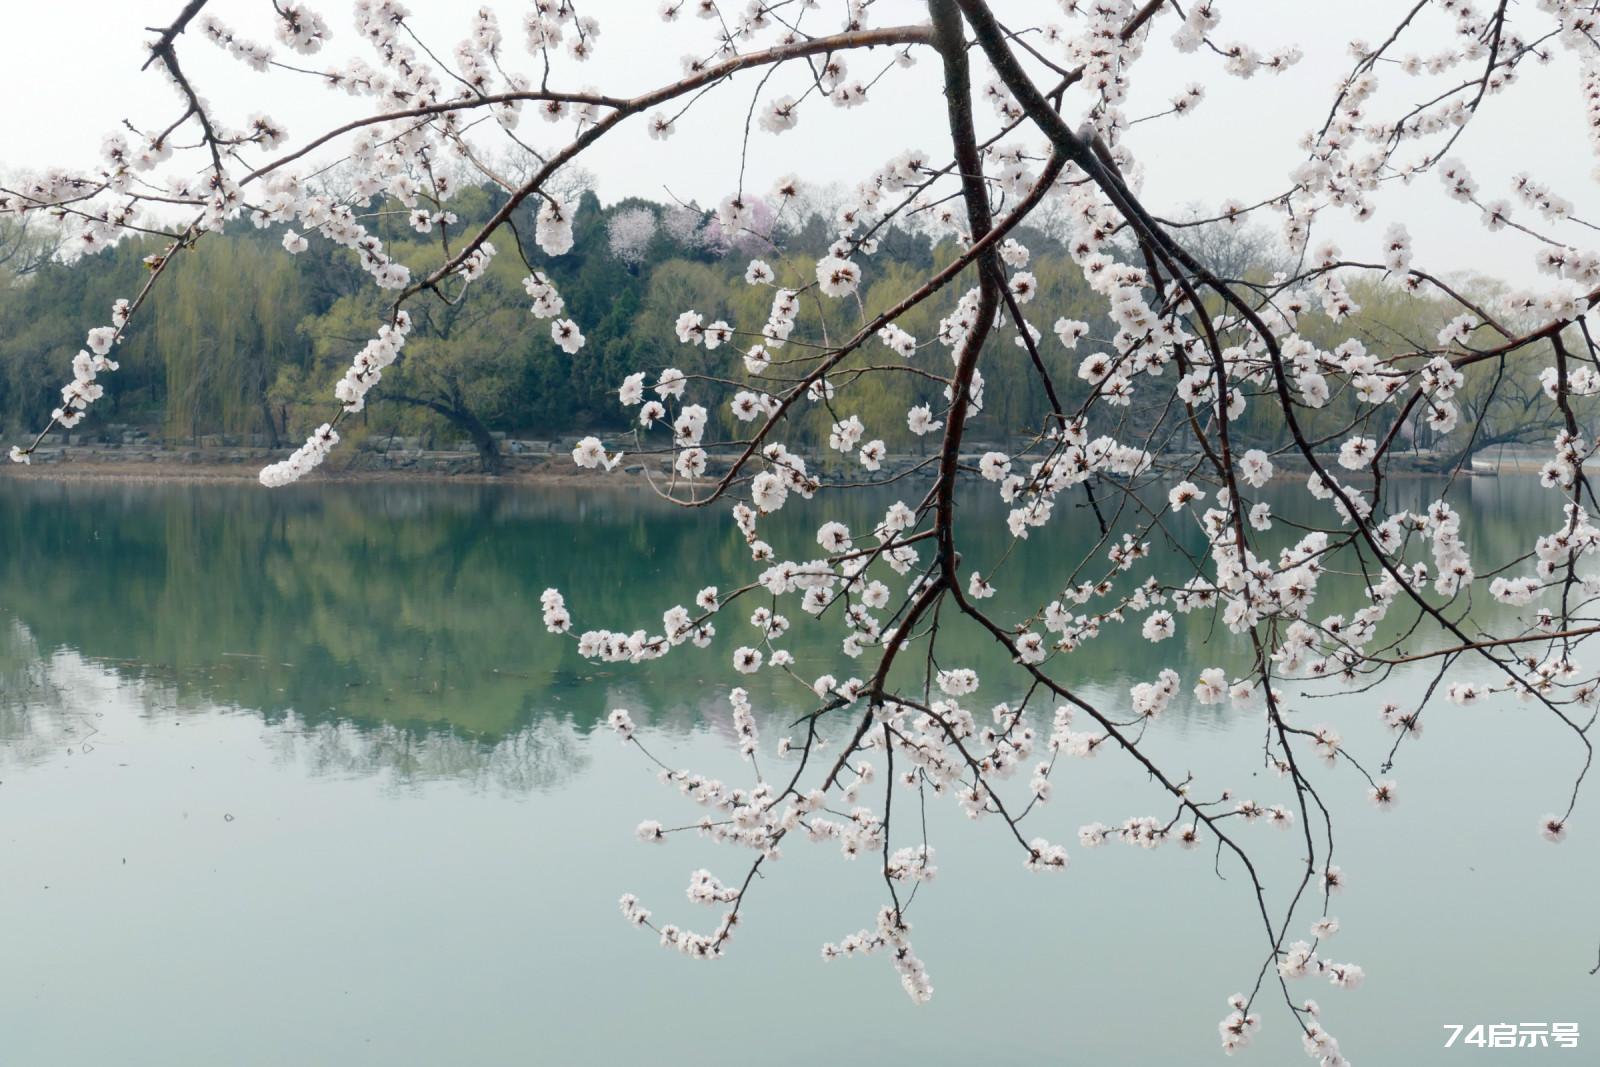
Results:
244 339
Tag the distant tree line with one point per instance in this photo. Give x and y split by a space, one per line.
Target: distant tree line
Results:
202 360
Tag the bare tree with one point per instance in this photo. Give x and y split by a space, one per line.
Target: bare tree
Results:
26 244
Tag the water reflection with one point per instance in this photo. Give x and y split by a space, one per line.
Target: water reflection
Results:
409 613
55 705
426 831
542 755
37 722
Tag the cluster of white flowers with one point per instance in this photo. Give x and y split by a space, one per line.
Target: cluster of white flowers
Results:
557 619
303 460
780 324
889 936
547 301
898 340
257 56
553 230
837 277
87 366
366 370
300 28
591 453
1150 699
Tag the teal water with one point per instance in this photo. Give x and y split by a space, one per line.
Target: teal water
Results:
299 778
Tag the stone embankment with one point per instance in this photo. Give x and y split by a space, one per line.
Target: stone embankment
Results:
132 453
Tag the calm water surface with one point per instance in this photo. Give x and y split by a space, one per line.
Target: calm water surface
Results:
298 778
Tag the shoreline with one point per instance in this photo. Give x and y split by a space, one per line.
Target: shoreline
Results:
74 464
99 470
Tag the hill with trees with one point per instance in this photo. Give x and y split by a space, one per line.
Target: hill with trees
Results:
247 341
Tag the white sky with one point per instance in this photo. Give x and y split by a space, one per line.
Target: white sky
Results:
1241 143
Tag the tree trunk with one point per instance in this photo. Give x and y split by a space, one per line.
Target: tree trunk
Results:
489 459
1464 452
271 423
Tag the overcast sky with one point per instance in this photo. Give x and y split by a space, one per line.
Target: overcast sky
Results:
80 61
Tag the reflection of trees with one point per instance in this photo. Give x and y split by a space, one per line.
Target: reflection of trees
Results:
541 755
56 703
28 730
410 610
326 606
53 703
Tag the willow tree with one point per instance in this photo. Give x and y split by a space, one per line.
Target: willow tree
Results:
1037 121
221 345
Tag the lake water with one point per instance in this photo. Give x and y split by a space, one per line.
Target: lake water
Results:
299 778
